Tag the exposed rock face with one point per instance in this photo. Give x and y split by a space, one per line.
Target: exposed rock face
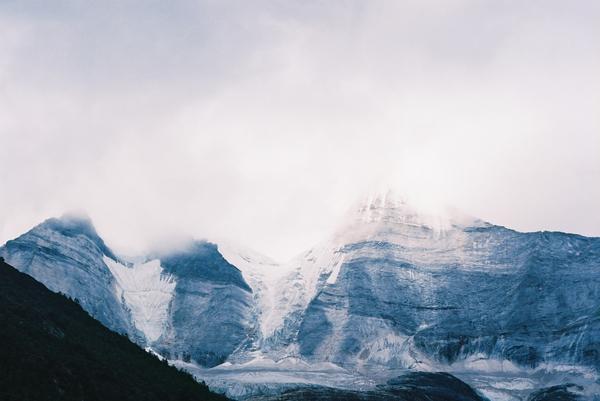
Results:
53 350
391 289
67 256
210 314
191 304
399 289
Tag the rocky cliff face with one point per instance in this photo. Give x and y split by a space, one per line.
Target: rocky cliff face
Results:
210 315
392 289
190 304
398 289
67 256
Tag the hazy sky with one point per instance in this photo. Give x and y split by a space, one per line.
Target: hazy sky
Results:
261 121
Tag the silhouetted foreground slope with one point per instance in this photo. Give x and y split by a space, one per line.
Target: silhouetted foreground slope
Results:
51 349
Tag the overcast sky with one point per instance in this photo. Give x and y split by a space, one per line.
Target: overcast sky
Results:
262 121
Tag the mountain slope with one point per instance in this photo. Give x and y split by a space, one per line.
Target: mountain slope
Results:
188 304
395 288
392 289
210 315
67 256
52 349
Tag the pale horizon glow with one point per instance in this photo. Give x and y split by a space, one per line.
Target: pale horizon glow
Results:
262 122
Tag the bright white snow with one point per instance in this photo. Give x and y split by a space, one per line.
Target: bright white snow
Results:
147 292
262 274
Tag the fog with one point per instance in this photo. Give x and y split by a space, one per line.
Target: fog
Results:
262 122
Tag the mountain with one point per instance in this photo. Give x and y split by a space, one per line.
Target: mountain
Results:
394 289
188 304
51 349
67 256
210 314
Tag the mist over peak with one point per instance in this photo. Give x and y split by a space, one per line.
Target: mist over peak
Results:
264 124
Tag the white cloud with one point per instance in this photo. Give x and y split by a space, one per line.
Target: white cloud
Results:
262 121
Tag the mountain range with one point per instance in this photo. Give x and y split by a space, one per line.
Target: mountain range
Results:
391 290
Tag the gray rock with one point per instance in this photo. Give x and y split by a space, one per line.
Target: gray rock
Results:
210 314
66 255
408 293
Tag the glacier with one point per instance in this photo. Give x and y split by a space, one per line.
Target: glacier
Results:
147 292
392 290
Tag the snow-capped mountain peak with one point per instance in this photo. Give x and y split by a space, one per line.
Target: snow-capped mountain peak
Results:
389 207
395 287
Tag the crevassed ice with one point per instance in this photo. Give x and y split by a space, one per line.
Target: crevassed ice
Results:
147 292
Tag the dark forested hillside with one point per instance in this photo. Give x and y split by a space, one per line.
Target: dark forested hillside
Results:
51 349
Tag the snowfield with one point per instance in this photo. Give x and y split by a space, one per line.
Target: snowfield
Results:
147 292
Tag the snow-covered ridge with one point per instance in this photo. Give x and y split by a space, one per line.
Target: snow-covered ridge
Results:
391 208
147 292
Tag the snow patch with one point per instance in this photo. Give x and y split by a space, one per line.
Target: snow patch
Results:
263 376
156 354
147 292
481 363
262 274
498 395
335 272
